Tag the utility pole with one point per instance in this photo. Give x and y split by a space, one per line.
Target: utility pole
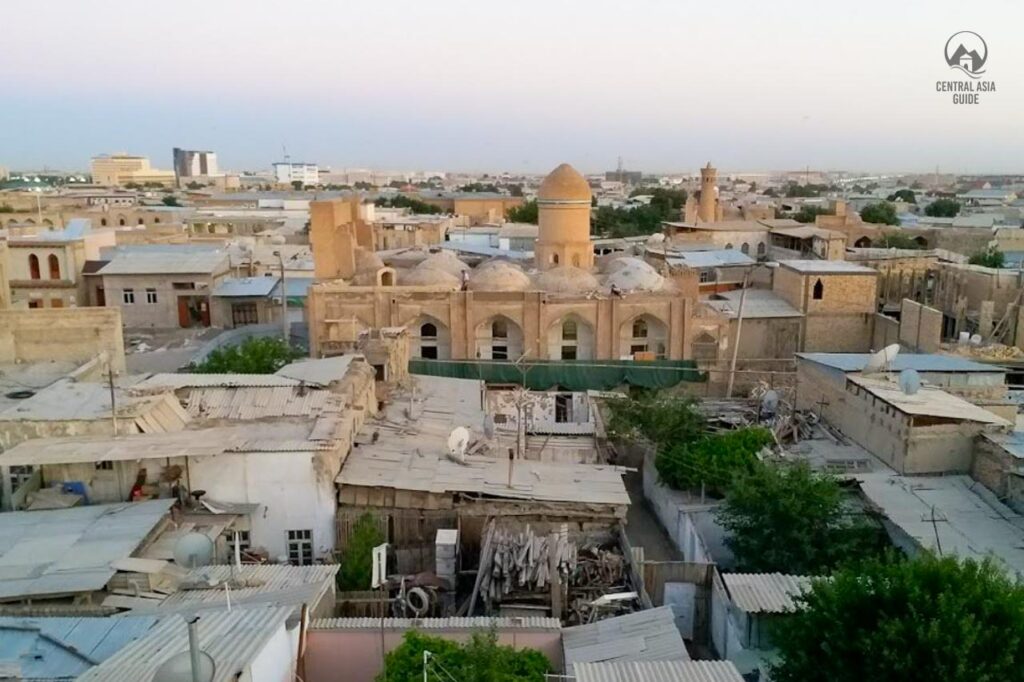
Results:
284 301
113 399
739 328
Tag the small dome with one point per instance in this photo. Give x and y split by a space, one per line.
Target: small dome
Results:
445 261
498 277
367 261
564 184
429 277
566 279
614 262
634 274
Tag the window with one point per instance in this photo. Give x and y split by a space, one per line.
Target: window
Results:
745 248
819 290
244 540
19 473
243 314
105 465
729 245
300 547
150 295
120 221
428 341
570 339
33 266
639 328
499 340
103 222
157 220
554 258
35 303
705 276
54 264
563 408
761 249
183 285
141 221
56 302
128 296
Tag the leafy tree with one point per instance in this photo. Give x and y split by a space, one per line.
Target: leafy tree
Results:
926 618
132 185
356 570
808 214
195 185
527 213
990 258
480 187
170 201
6 208
882 213
794 190
363 185
661 419
411 203
896 240
297 185
790 519
255 355
515 190
771 192
903 195
713 462
943 208
481 659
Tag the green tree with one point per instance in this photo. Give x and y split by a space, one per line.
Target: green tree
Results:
659 418
943 208
6 208
297 185
892 239
881 213
713 462
477 187
790 519
515 190
481 659
527 213
255 355
356 570
363 185
990 258
903 195
808 214
195 185
411 203
926 618
170 201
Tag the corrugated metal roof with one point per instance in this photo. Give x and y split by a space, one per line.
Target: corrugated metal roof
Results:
259 403
64 551
454 623
922 362
245 287
658 671
758 303
709 259
928 401
64 648
177 381
319 372
233 638
765 592
72 400
179 262
649 635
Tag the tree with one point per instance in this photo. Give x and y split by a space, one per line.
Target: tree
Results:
943 208
990 258
255 355
892 239
403 201
663 420
905 195
356 570
713 462
882 213
527 213
195 185
927 618
790 519
481 659
6 208
808 214
515 190
297 185
480 187
170 201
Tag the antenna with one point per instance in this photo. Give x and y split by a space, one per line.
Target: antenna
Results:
910 381
881 361
193 665
458 441
193 550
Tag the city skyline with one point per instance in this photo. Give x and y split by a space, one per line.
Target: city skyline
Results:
464 87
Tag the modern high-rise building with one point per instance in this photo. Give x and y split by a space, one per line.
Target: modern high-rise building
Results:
190 163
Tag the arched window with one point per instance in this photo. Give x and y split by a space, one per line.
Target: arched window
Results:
728 246
54 264
745 248
141 221
554 258
639 328
863 243
569 331
819 290
121 221
103 222
428 341
499 338
387 278
33 266
645 334
761 249
156 220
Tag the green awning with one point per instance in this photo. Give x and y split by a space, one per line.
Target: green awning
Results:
573 375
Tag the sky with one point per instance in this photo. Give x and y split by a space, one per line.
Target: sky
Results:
477 85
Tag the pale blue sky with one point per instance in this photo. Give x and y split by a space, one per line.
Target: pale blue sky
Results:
518 86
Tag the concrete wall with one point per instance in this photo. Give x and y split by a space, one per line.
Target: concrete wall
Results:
920 327
163 314
886 332
276 661
71 334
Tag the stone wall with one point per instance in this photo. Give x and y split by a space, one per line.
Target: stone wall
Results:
920 327
69 334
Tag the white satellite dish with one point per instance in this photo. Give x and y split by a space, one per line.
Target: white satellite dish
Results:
458 441
975 339
770 401
193 550
910 381
880 361
178 668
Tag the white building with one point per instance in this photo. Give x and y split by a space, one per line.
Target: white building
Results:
286 173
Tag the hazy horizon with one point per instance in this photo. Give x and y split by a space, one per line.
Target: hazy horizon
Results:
461 86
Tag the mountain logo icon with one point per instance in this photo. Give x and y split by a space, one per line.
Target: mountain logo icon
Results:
968 52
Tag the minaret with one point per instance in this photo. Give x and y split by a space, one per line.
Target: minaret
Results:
563 234
708 194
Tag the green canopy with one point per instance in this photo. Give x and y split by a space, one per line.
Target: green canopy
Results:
572 375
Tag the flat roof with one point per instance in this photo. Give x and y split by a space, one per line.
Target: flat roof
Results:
759 303
649 635
66 551
712 258
449 623
970 522
70 400
827 267
806 232
721 226
245 287
658 671
922 362
765 592
928 401
166 263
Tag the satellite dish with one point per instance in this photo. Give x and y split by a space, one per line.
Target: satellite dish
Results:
880 361
770 402
458 441
910 381
193 550
178 668
975 339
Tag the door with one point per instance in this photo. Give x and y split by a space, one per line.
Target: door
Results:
183 317
101 297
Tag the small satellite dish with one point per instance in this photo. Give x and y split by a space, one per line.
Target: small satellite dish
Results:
178 668
976 339
458 441
910 381
770 402
880 361
193 550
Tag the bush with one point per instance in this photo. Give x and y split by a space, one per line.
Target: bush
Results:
356 570
882 213
255 355
402 201
943 208
990 258
663 420
714 461
527 213
896 240
480 659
